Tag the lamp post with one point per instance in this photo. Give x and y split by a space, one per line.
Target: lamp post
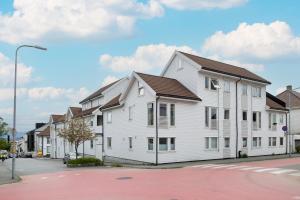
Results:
289 129
15 105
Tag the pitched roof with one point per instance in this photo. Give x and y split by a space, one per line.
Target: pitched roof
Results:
89 111
275 103
219 67
76 111
45 132
58 118
295 97
98 92
112 103
168 87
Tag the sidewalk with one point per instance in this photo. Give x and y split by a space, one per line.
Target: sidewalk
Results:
5 175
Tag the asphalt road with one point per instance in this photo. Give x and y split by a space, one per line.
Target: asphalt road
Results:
275 179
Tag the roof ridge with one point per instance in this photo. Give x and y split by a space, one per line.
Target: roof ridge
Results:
156 76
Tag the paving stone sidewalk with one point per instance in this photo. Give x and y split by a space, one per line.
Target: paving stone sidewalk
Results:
5 175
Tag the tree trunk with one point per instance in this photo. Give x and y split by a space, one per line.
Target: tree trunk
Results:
83 149
76 149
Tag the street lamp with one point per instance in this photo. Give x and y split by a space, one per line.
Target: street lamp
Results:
290 88
15 105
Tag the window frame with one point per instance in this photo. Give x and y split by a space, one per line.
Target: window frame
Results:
209 143
172 114
243 116
149 144
92 144
244 89
243 144
225 116
130 143
150 115
109 117
226 86
99 120
141 89
109 142
226 145
160 145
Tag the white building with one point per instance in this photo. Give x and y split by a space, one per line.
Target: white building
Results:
198 109
42 139
292 99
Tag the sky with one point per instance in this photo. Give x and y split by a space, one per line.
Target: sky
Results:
94 42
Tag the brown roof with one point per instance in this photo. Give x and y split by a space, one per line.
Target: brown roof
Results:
89 111
275 103
112 103
98 92
219 67
168 87
45 132
58 118
295 98
77 112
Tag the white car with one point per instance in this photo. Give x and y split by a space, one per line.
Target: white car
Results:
70 156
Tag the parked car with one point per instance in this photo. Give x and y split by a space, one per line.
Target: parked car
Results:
70 156
3 155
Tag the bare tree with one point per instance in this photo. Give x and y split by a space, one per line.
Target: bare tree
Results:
76 132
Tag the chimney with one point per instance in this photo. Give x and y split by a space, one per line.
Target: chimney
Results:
289 87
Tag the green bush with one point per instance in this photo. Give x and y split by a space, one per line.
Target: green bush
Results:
86 161
116 165
4 145
244 155
298 149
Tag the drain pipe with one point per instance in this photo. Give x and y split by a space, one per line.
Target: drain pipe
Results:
156 129
286 135
236 118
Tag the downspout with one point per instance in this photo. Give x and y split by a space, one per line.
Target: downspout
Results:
156 128
102 137
236 118
55 128
286 135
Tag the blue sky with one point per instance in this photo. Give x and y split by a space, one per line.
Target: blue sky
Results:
90 46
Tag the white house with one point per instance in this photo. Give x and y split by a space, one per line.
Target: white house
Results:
42 139
58 144
198 109
292 99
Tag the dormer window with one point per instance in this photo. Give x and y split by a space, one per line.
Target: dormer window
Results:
141 89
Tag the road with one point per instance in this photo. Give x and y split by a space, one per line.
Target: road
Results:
275 179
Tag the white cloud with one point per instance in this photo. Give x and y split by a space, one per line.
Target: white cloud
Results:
35 19
109 79
259 41
6 111
202 4
7 67
144 59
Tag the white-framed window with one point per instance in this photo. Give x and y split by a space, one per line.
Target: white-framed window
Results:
130 142
281 141
48 149
163 114
179 67
227 142
141 89
272 121
244 90
109 117
172 114
91 144
109 142
211 117
281 119
48 140
91 123
130 112
211 83
245 142
226 86
206 82
226 114
245 115
150 144
163 144
150 110
256 120
211 143
256 92
99 120
172 144
272 141
256 142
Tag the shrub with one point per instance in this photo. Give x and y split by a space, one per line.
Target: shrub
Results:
244 155
298 149
116 165
89 161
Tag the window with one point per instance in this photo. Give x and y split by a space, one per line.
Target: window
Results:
226 114
99 120
172 144
245 116
256 119
281 119
226 86
150 144
211 143
163 120
256 142
211 117
244 90
226 142
245 141
48 149
256 91
163 144
214 84
141 89
272 121
109 142
92 144
48 140
206 116
109 117
179 67
130 142
91 123
272 141
150 114
281 141
172 114
206 82
130 112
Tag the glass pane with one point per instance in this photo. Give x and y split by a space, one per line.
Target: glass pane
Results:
163 110
214 143
206 143
207 116
172 144
150 144
172 113
150 114
163 144
206 82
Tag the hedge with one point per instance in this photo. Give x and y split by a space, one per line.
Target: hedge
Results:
82 162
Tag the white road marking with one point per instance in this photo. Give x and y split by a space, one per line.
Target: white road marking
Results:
223 166
250 168
77 174
266 170
296 197
238 167
283 171
208 166
296 174
44 178
61 176
201 166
